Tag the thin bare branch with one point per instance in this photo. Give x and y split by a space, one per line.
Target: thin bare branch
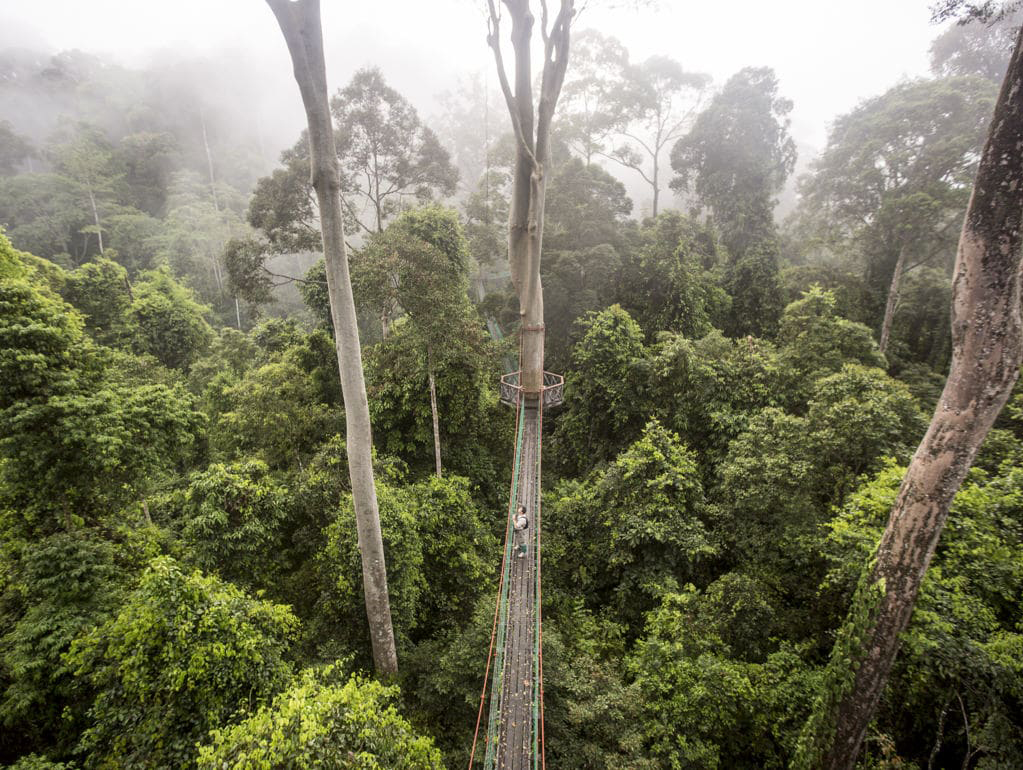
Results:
286 279
494 41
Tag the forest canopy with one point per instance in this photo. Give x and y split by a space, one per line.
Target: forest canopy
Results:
753 336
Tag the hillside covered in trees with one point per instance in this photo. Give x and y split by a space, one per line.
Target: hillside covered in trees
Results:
184 579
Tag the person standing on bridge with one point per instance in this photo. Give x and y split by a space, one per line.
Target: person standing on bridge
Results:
521 527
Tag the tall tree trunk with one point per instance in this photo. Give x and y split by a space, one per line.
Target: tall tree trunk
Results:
525 225
95 219
435 413
987 345
209 161
893 300
654 183
300 23
217 273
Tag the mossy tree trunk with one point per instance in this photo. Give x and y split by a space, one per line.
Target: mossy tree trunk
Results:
987 340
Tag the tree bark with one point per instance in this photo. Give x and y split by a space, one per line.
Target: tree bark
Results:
209 161
657 190
987 339
300 24
893 300
435 413
525 225
217 273
95 219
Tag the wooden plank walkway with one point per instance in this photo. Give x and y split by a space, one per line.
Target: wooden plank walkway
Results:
515 738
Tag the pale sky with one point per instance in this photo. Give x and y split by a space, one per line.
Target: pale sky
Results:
828 55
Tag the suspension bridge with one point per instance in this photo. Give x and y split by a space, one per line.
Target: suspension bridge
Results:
512 733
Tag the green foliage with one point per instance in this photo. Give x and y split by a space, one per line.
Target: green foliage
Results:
148 159
855 416
99 290
895 178
603 392
275 335
632 528
321 724
36 762
169 323
814 341
783 473
55 589
738 155
921 329
752 282
283 204
439 553
342 567
275 411
980 49
43 215
722 468
314 293
39 338
419 265
230 354
14 148
185 654
706 390
704 706
75 437
134 239
735 159
585 207
665 282
575 283
471 425
592 712
458 550
233 519
385 150
73 453
243 259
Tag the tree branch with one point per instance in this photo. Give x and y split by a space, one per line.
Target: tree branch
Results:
494 41
289 278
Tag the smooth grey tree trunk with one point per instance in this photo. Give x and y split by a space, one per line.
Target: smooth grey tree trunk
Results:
95 218
217 273
987 344
300 23
435 414
892 301
529 186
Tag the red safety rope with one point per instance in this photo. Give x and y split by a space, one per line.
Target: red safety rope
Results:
539 563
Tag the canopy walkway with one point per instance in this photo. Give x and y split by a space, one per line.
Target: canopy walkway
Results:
514 671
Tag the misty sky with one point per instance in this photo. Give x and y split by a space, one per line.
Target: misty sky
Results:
828 55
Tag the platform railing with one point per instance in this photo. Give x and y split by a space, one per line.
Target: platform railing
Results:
553 392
